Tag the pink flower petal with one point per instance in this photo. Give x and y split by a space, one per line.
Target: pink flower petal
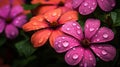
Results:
4 11
11 31
91 26
105 52
74 56
76 3
106 5
104 34
15 11
88 59
87 7
64 43
2 25
19 21
73 28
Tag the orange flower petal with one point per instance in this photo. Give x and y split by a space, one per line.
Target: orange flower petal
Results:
53 15
4 2
68 16
47 2
39 38
17 2
44 9
53 36
35 23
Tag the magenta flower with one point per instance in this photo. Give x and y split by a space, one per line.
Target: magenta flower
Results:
11 17
80 46
86 7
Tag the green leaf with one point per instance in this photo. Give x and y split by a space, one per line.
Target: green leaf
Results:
2 40
25 48
30 6
114 16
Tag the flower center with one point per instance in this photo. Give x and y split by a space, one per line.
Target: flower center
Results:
85 42
54 25
8 20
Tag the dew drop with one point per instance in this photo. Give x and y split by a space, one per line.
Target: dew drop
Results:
78 27
78 32
74 24
104 52
105 35
93 3
65 44
98 39
75 56
74 49
54 14
91 58
85 4
68 28
59 45
92 29
92 8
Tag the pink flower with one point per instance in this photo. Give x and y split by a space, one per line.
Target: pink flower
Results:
86 7
80 46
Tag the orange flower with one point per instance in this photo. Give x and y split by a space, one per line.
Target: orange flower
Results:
49 25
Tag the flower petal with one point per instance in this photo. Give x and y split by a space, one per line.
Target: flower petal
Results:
35 23
68 16
4 11
68 4
87 7
53 36
76 3
106 5
74 29
16 10
53 15
88 59
17 2
74 56
2 25
64 43
19 21
11 31
47 1
43 9
104 34
39 38
105 52
91 27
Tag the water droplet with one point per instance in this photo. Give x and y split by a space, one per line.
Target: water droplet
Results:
60 41
74 49
78 32
101 0
54 14
92 29
94 3
113 4
104 52
105 35
89 7
85 64
85 4
65 44
75 56
91 58
63 37
78 27
74 24
68 28
34 24
98 40
59 45
92 8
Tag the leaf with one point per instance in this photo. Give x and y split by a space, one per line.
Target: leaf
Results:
114 16
2 40
25 48
30 6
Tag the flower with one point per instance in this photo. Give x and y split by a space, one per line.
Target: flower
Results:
47 5
11 17
80 46
86 7
49 25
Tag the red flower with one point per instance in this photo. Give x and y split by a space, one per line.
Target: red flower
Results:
48 25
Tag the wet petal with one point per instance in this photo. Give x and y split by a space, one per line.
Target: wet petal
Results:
105 52
64 43
88 59
104 34
74 56
47 1
87 7
4 11
2 25
53 15
35 23
16 10
17 2
91 27
11 31
39 38
74 29
44 9
53 36
106 5
68 4
20 21
76 3
68 16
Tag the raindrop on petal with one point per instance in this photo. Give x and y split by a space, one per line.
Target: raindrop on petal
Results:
85 4
74 24
104 52
65 44
105 35
92 29
75 56
68 28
